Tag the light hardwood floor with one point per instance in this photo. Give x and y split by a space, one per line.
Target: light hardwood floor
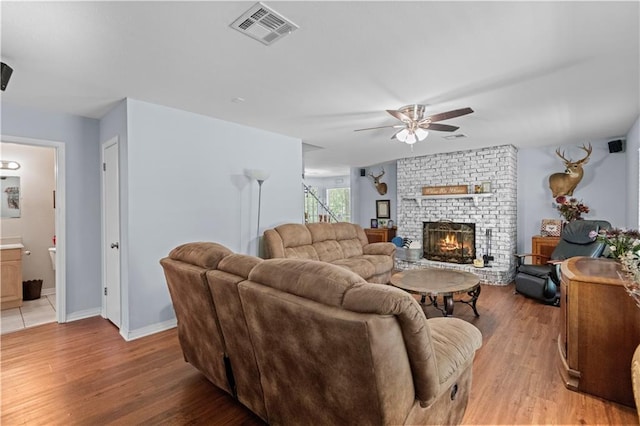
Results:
83 373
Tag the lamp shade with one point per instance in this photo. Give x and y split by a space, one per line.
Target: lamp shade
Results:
258 174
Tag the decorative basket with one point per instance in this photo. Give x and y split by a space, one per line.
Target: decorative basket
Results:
409 254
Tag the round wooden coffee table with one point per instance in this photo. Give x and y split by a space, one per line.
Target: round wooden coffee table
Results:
434 282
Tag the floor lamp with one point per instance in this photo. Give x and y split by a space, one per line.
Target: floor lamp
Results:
260 176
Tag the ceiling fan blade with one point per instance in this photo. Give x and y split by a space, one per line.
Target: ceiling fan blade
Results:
440 127
450 114
400 116
396 126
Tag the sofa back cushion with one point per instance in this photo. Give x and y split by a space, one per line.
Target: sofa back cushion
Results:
327 242
291 240
199 331
339 288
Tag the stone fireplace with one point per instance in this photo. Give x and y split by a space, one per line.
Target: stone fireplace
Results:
452 242
493 214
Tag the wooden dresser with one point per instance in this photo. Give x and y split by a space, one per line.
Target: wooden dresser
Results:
377 235
544 246
599 329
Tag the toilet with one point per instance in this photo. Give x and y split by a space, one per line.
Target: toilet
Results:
52 254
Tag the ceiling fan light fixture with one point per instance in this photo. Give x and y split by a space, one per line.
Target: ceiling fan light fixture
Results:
411 139
410 136
421 134
402 135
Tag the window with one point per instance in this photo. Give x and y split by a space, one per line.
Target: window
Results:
337 200
340 203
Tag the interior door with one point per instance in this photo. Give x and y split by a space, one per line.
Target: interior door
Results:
111 248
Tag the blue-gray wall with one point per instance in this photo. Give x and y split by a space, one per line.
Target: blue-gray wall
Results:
632 153
182 178
364 193
82 189
602 188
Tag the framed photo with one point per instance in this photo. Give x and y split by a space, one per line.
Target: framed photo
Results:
374 223
383 209
551 227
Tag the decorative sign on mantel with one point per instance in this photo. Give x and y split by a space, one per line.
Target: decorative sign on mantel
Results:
445 190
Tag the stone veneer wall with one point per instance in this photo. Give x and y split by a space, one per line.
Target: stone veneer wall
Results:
497 165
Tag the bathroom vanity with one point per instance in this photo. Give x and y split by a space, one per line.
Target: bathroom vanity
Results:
11 278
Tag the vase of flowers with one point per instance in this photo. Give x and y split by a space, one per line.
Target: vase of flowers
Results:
570 208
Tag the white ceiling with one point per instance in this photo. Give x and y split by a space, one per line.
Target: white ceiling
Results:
536 73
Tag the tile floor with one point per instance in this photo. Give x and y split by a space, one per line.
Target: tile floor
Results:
32 313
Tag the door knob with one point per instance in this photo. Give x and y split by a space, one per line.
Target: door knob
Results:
115 245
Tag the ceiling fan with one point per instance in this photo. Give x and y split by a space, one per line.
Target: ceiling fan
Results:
415 124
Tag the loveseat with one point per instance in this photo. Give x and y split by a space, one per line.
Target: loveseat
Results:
342 244
301 341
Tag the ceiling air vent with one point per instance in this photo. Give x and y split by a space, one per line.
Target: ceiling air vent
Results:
456 136
264 24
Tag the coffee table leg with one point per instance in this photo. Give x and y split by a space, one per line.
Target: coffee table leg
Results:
475 293
448 302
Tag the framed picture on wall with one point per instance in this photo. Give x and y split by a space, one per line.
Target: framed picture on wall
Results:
383 209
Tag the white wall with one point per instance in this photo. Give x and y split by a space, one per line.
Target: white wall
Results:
632 153
186 182
82 189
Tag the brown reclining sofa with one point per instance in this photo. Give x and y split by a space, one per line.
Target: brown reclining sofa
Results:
306 342
343 244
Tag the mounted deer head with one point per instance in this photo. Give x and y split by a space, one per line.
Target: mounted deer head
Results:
565 183
380 186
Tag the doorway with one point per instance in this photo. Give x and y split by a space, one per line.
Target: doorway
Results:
57 200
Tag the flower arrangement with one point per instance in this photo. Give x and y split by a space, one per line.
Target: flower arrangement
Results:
624 245
570 208
619 242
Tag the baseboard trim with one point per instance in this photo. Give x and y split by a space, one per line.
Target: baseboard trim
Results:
148 330
48 291
87 313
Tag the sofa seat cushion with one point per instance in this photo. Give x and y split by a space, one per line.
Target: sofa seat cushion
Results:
454 342
359 265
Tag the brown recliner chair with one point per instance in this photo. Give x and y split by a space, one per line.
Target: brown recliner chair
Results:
542 282
199 332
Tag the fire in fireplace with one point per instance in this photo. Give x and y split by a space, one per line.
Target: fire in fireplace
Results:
447 241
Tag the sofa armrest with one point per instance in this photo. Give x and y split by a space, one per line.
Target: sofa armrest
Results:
273 244
388 249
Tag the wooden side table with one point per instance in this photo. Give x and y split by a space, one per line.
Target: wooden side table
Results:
380 235
543 246
599 329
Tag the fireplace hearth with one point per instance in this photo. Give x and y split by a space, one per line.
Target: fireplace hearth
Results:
447 241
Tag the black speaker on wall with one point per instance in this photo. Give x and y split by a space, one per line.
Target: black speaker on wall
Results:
615 146
363 172
5 75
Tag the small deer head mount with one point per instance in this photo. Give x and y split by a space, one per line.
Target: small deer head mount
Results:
565 183
380 186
